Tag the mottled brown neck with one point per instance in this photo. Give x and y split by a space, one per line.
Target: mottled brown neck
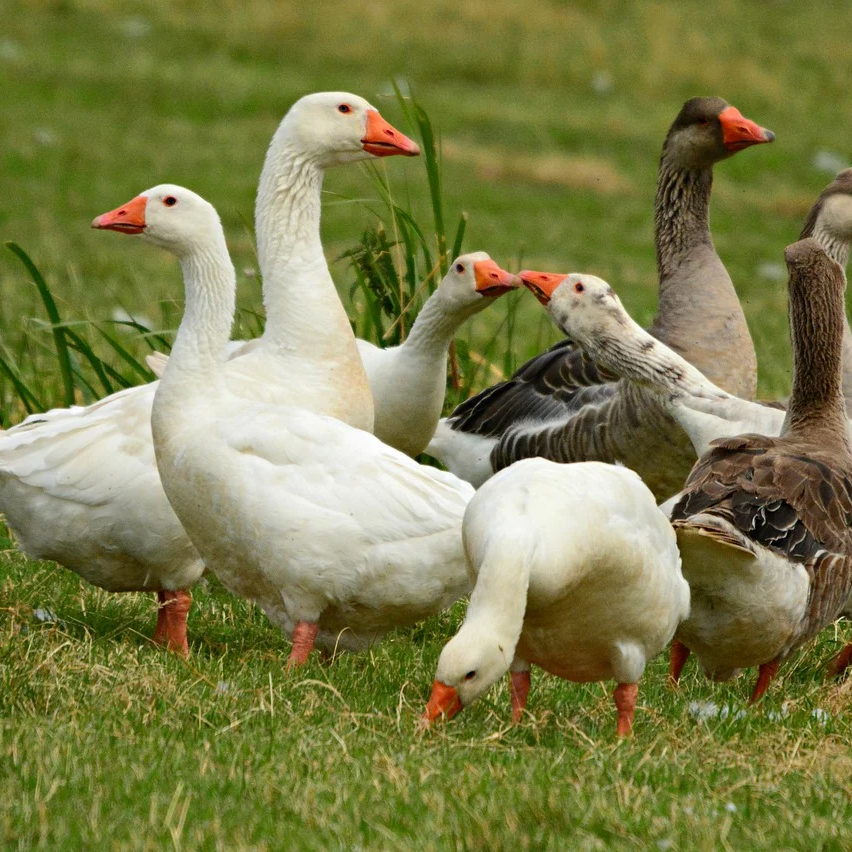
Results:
816 410
681 215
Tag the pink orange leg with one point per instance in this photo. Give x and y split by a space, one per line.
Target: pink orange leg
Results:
171 620
841 662
625 695
304 634
678 656
764 677
519 687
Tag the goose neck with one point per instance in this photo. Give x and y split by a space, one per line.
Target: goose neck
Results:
629 351
303 310
205 329
681 216
816 410
437 323
499 599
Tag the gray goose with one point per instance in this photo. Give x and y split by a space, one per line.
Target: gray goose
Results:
764 524
554 406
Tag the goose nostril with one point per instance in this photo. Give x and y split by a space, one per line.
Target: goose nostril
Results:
122 212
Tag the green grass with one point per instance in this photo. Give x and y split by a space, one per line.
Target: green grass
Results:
106 742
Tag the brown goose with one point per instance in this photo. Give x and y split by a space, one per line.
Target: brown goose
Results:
553 406
830 223
764 524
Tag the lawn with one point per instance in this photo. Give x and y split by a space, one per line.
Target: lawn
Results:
551 118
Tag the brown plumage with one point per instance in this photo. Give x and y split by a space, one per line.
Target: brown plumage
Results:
780 508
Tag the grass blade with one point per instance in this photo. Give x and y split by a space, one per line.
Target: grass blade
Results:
62 354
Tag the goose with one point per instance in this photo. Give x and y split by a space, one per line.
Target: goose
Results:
555 406
80 485
408 382
764 523
337 536
576 572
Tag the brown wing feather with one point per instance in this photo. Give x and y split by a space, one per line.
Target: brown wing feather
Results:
788 497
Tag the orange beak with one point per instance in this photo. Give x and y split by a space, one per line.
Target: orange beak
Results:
541 284
493 281
129 218
384 140
444 701
739 132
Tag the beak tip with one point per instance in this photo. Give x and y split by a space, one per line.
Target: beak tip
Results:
96 222
768 136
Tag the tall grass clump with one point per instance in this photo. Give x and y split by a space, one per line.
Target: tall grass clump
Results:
399 261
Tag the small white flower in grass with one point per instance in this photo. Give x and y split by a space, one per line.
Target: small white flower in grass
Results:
703 710
665 843
136 28
45 137
602 83
829 162
731 808
10 51
222 687
249 272
822 716
48 616
771 271
778 715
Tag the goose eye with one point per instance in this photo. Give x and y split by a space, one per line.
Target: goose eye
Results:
344 108
470 675
170 201
578 287
459 268
703 122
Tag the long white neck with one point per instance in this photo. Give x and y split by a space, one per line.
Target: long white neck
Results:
437 323
303 311
499 600
210 285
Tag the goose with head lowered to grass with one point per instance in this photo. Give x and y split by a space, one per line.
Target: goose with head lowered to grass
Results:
763 522
80 485
337 537
559 405
577 572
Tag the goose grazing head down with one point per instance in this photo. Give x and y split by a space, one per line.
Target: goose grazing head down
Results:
708 130
339 127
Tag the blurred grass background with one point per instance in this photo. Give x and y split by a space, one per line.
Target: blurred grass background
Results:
551 117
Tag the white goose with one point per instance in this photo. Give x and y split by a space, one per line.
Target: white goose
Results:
576 571
409 381
337 536
80 485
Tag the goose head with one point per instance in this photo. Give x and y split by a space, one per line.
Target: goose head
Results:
831 215
583 306
339 127
708 130
474 278
169 216
470 664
